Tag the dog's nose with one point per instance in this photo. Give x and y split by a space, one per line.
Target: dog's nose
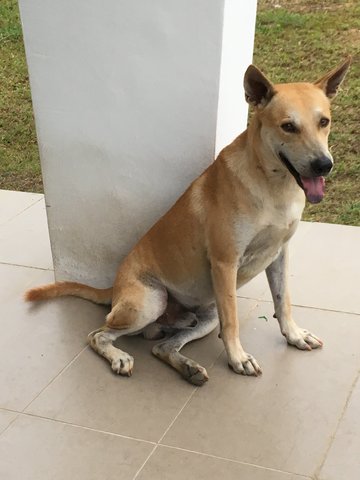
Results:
322 165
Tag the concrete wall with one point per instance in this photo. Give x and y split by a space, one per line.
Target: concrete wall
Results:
236 56
131 101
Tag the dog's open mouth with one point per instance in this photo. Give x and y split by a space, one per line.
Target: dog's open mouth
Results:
314 187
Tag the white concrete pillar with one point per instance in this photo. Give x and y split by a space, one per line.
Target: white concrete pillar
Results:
132 98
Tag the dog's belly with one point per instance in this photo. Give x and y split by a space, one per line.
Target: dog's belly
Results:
199 291
196 293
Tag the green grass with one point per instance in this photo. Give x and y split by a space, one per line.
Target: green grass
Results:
301 40
19 157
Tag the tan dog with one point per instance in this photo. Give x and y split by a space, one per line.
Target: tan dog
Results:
234 221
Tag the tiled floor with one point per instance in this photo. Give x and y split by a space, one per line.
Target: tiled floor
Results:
64 414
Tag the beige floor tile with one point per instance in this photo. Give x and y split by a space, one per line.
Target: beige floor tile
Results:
285 418
89 394
172 464
14 280
38 341
34 448
343 460
324 267
24 240
142 406
6 417
13 203
297 239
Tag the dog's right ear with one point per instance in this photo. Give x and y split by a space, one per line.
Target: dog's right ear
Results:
330 82
258 89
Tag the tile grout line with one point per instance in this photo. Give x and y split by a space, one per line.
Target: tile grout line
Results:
75 425
27 266
197 388
179 413
56 376
181 410
239 462
155 445
163 435
17 414
205 454
10 410
341 416
9 425
325 309
310 307
145 462
26 208
301 476
23 413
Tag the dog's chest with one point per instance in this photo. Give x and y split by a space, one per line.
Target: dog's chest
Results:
263 246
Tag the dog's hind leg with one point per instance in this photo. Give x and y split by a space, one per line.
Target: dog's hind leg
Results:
136 307
169 349
101 341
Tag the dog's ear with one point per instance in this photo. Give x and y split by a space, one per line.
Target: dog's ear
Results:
258 89
330 82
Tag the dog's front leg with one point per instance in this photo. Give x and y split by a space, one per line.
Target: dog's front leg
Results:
278 281
224 284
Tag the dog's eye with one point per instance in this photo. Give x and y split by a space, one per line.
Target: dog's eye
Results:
324 122
289 127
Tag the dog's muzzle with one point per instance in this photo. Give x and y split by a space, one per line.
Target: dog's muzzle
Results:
314 186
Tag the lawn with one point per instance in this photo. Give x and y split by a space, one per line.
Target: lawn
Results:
295 40
19 156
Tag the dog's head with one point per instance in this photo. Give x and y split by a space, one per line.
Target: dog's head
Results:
294 123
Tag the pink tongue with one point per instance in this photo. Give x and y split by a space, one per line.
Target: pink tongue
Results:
314 188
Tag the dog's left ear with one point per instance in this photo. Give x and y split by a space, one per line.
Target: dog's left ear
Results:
258 89
332 80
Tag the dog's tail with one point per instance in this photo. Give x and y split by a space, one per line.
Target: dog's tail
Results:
61 289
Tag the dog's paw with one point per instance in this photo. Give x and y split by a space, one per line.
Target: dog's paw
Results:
302 339
123 364
246 365
195 373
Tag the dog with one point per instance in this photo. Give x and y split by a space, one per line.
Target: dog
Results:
234 221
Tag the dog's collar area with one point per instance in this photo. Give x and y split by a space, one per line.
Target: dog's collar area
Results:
291 169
